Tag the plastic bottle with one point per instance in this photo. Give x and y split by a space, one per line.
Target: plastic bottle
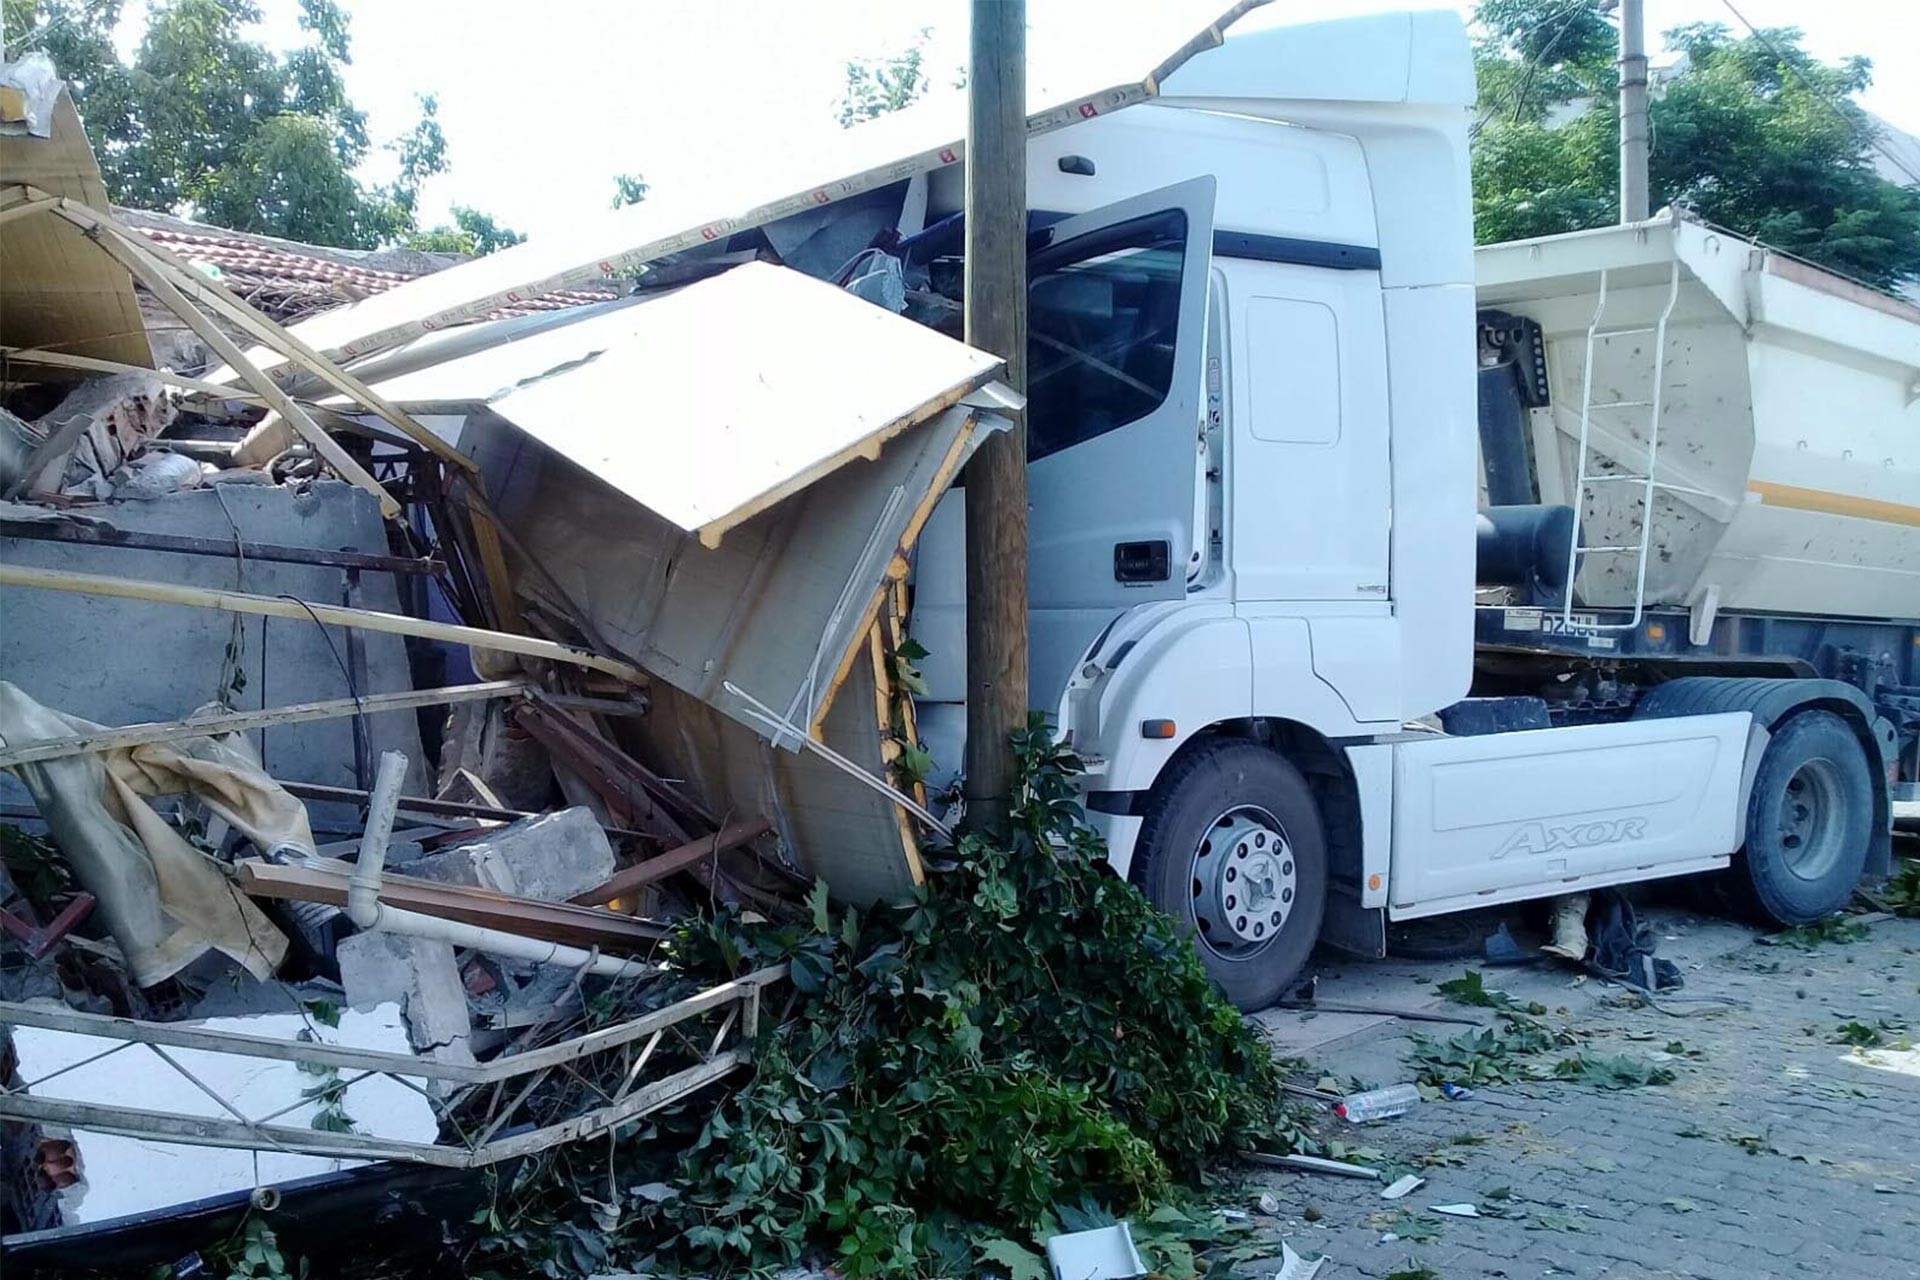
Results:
1377 1104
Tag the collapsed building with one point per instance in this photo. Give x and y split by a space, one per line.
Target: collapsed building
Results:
375 688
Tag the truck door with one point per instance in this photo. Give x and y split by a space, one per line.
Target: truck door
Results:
1115 397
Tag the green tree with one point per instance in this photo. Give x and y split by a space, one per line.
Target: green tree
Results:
1756 135
205 120
629 188
472 233
876 86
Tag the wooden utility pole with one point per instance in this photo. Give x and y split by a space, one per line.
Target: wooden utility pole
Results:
1634 130
996 321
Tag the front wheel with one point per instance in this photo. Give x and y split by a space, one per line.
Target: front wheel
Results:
1809 820
1233 848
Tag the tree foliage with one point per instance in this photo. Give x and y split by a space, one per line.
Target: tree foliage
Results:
1027 1037
629 188
472 233
206 120
1756 135
876 86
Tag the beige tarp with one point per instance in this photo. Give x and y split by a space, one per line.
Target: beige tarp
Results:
57 290
165 902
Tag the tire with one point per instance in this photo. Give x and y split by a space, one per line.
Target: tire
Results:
1809 821
1204 819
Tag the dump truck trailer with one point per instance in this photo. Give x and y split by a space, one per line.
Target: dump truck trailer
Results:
1760 409
1345 638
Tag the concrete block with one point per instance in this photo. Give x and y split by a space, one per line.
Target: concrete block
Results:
418 974
552 857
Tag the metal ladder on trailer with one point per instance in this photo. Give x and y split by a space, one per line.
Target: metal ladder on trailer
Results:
1586 483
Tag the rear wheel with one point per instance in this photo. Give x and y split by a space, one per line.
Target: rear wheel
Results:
1232 847
1809 821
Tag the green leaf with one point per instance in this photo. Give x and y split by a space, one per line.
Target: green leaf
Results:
914 762
820 904
1019 1262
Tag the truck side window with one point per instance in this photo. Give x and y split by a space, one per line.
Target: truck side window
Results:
1103 310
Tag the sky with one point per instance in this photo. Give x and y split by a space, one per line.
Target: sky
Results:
542 104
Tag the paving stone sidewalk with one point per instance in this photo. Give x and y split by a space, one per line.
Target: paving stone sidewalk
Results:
1776 1151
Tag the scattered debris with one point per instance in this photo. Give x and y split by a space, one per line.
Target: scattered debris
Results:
1294 1267
1106 1253
1456 1210
1378 1104
1310 1164
1402 1186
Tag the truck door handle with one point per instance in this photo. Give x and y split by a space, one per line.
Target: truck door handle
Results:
1143 561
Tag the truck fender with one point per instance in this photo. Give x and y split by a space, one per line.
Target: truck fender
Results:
1198 671
1771 700
1195 671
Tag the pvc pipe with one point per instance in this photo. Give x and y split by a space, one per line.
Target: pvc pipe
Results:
363 887
516 946
367 912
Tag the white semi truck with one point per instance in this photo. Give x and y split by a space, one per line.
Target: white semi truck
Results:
1373 587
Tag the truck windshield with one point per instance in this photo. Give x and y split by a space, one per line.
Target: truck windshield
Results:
1103 311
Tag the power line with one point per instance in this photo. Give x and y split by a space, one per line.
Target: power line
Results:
1517 92
1867 137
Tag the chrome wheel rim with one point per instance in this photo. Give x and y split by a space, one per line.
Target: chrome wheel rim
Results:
1245 881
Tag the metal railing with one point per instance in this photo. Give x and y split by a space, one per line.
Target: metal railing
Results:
630 1044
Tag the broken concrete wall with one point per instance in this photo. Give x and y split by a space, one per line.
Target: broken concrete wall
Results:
551 857
165 660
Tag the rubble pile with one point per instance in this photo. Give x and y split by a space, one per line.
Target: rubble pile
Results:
366 731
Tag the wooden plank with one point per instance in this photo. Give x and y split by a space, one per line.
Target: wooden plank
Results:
157 282
277 607
629 789
21 208
624 882
956 454
134 735
890 750
217 298
548 921
64 360
493 560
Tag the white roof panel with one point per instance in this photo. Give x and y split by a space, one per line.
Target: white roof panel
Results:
713 402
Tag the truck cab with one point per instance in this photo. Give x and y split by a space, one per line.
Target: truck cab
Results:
1254 479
